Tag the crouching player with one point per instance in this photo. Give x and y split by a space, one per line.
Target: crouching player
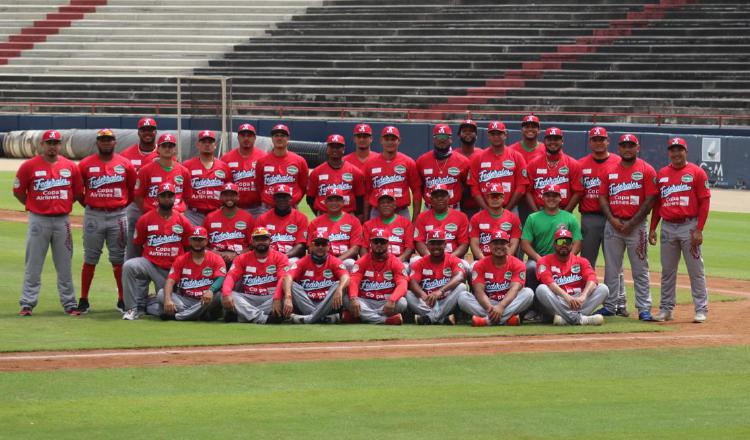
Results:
568 287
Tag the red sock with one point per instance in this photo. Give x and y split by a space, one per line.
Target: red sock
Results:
117 269
87 274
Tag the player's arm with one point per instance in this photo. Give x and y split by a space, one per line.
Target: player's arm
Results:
457 278
573 202
476 249
352 252
604 205
286 284
528 249
496 314
640 215
461 250
406 255
531 200
298 251
416 289
513 246
169 307
421 248
481 295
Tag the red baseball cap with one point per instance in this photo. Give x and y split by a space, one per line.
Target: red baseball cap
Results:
321 236
336 139
553 131
167 138
628 137
280 128
363 129
530 119
552 188
467 123
105 132
333 191
146 122
206 134
500 236
435 235
379 234
260 231
52 135
166 187
282 189
199 232
563 233
441 129
677 141
390 130
494 188
246 127
598 132
386 192
439 187
230 187
496 126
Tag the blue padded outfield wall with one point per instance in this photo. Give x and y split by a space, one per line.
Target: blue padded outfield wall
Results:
723 152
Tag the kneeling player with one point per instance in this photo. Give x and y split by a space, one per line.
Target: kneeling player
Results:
497 281
568 286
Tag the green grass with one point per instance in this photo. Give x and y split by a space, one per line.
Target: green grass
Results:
665 394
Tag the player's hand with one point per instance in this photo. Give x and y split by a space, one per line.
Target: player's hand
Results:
354 307
288 306
207 297
617 224
496 313
228 303
389 308
432 298
276 307
652 238
627 227
576 303
169 307
696 238
338 301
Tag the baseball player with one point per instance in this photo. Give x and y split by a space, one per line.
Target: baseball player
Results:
207 177
47 185
229 227
252 288
139 154
592 218
163 234
568 287
316 284
108 182
467 135
529 147
436 282
165 170
288 226
281 166
487 221
683 204
626 195
442 167
193 286
378 285
399 230
453 222
554 167
362 143
335 173
344 232
393 170
498 164
242 162
497 281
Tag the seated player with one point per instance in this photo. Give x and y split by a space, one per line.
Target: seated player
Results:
229 226
453 222
287 225
488 221
343 229
399 231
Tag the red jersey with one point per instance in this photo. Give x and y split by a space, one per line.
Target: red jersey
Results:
229 233
571 275
451 172
484 224
399 174
193 279
380 280
679 191
138 158
566 174
153 175
255 277
528 156
349 179
628 188
497 280
354 160
431 276
455 224
344 233
591 178
317 280
469 202
400 230
206 184
286 232
163 240
476 152
50 188
107 185
244 174
290 169
507 169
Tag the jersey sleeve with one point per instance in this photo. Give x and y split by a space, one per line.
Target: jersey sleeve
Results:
139 237
312 187
518 273
296 269
358 182
337 267
455 265
130 178
587 271
419 228
415 182
515 226
409 235
701 183
576 176
77 183
141 183
477 274
474 227
522 178
543 272
471 178
356 278
649 181
187 186
304 172
462 234
400 278
21 184
356 233
302 224
176 270
416 270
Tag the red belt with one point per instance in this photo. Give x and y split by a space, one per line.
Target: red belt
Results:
681 220
107 209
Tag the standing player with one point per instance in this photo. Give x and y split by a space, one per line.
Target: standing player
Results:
452 221
393 170
164 170
229 227
335 173
281 166
467 135
242 161
344 232
139 154
47 185
362 143
554 167
626 195
288 226
108 182
442 167
488 221
683 204
399 231
207 177
530 148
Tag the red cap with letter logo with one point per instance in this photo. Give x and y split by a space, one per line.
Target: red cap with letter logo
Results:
441 129
496 126
552 188
52 135
147 122
563 233
500 235
494 188
230 187
438 188
282 189
280 128
363 129
467 123
598 132
320 236
167 138
336 139
199 232
206 134
386 192
379 234
628 137
553 131
260 231
333 191
677 141
435 235
166 187
246 127
530 119
105 132
390 130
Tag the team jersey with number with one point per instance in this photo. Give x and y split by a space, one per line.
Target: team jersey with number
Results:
229 233
244 174
528 156
290 169
497 280
138 158
344 233
454 223
349 179
163 240
628 187
399 174
399 230
315 279
107 185
431 275
679 191
566 173
591 170
50 188
153 175
483 225
571 275
450 172
251 276
206 184
380 280
192 279
507 169
287 231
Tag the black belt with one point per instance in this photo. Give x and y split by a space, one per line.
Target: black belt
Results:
681 221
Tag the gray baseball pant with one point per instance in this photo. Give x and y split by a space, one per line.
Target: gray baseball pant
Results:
191 309
441 309
675 240
43 231
196 218
636 244
592 229
101 227
252 308
469 304
371 310
133 213
554 305
313 311
137 275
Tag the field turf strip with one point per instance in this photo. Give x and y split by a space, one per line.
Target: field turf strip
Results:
665 394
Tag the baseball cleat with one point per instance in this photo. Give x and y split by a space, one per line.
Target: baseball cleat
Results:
165 317
131 315
622 311
592 320
559 320
604 312
120 306
645 316
73 311
334 318
396 319
83 305
25 311
274 319
513 321
297 319
663 315
478 321
450 320
700 317
422 320
348 318
230 316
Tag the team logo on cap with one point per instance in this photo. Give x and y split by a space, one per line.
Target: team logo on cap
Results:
246 127
119 169
240 226
65 172
628 138
637 176
335 139
361 128
177 229
390 130
206 134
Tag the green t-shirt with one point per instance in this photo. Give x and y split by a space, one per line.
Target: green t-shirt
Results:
540 229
